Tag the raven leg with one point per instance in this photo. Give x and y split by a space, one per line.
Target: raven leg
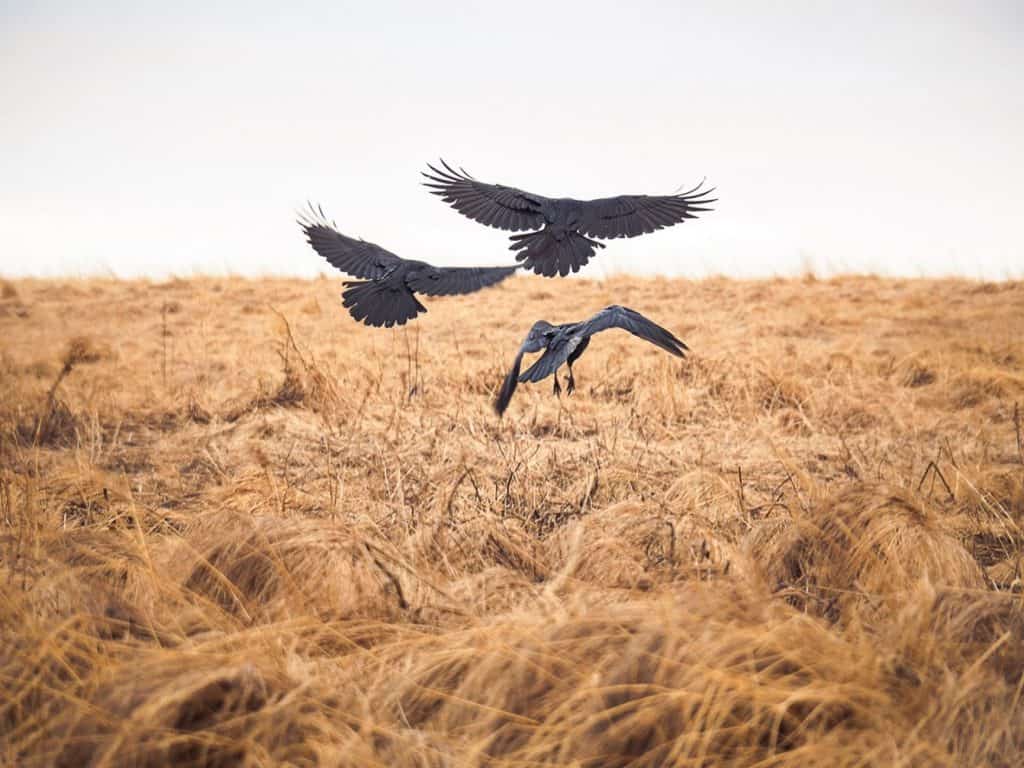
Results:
558 387
573 357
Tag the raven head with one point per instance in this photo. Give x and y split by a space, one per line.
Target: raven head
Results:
538 337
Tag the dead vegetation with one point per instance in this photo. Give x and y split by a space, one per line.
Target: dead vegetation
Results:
235 528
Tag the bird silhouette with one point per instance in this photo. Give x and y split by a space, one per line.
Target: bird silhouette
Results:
565 343
566 231
386 294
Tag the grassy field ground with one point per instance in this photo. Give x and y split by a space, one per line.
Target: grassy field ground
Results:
237 528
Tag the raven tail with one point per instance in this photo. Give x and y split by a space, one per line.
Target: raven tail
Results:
380 304
551 253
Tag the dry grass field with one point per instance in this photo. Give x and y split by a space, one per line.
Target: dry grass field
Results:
238 529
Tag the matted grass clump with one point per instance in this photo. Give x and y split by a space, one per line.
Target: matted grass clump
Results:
861 551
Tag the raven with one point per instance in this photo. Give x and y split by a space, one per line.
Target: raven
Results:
565 343
564 227
385 296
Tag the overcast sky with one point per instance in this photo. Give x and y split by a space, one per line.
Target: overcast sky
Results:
145 138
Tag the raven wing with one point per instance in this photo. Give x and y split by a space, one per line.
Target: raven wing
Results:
630 320
508 386
491 204
450 281
558 351
634 215
358 258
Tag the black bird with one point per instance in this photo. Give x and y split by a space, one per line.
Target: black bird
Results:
562 242
386 294
565 343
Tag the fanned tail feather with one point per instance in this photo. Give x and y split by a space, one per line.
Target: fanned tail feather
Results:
548 256
379 304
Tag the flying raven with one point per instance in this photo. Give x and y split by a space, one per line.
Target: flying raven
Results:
564 227
385 295
565 343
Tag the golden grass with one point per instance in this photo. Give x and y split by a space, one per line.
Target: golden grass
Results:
237 528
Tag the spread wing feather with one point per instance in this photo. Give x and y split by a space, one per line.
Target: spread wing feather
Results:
358 258
491 204
450 281
630 320
634 215
508 386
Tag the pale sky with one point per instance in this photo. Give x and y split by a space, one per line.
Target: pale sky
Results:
147 138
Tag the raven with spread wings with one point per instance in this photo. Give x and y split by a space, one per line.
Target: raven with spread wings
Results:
385 294
565 343
565 231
